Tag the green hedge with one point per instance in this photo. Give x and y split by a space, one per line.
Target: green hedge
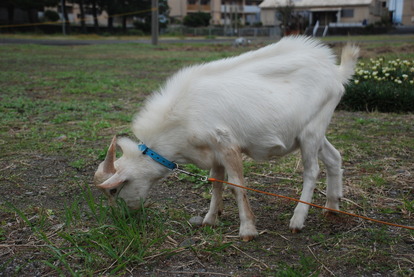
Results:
379 85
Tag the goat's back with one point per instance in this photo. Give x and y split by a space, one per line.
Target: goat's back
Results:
272 93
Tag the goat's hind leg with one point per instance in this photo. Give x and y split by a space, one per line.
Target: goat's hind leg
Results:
216 203
333 162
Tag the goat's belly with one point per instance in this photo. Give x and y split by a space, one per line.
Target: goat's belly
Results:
266 153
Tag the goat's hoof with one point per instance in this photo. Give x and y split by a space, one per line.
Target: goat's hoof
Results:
248 233
329 214
247 238
295 230
209 221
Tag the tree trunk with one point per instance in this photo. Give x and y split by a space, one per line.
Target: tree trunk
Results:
95 16
82 11
10 17
124 22
10 14
32 16
110 23
66 17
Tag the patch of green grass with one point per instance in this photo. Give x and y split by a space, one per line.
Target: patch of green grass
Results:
407 206
307 267
114 236
78 164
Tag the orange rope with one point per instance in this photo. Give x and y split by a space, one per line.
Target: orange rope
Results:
310 204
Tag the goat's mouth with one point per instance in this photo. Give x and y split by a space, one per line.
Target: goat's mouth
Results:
113 192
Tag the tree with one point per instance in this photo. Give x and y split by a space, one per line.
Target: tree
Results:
95 15
81 4
95 11
285 15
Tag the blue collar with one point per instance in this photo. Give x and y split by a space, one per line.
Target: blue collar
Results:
157 157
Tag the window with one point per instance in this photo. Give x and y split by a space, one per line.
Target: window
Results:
201 2
347 13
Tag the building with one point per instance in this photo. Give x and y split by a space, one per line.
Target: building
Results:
335 13
408 12
402 11
223 12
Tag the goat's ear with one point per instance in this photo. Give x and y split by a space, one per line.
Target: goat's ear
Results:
112 182
109 162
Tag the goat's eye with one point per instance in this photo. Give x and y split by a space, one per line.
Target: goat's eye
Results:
113 191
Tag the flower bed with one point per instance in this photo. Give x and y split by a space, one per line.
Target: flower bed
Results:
380 85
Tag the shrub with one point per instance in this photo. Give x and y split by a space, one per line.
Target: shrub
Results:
135 32
143 26
51 16
379 85
198 19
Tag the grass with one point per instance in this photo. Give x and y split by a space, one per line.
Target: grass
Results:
59 108
131 238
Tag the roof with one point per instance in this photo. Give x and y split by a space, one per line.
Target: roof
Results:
314 3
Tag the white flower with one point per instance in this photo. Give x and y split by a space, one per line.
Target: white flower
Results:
357 82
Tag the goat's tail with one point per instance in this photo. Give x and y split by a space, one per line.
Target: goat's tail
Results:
349 57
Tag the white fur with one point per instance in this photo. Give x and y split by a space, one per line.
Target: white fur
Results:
264 103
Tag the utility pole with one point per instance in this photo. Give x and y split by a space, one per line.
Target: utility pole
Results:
154 22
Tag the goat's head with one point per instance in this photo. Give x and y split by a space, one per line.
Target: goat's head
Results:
129 177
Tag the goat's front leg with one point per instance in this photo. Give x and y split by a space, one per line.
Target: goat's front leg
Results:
234 167
310 174
216 204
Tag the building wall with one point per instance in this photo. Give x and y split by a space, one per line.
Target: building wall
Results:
408 13
180 8
360 14
268 17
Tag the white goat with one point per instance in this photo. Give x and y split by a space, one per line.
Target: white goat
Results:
264 103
